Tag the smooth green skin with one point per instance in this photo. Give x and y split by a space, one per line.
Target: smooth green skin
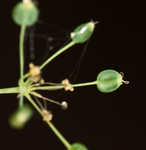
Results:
78 146
23 15
108 81
83 32
15 120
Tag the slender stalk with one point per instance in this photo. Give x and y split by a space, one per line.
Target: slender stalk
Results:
44 98
13 90
21 50
26 75
21 55
33 103
54 129
57 87
84 84
59 135
56 54
21 100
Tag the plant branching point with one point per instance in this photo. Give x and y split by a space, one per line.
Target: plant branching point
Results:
25 14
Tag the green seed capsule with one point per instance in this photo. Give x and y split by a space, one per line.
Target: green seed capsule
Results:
25 13
19 118
109 81
83 32
78 146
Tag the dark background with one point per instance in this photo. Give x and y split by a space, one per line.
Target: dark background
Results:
114 121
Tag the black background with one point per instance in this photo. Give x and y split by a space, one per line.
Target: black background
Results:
100 121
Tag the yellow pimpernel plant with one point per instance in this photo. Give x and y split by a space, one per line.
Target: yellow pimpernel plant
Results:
25 14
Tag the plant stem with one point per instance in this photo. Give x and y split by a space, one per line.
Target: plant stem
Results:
21 100
21 55
21 50
84 84
56 54
33 103
54 87
57 87
12 90
57 133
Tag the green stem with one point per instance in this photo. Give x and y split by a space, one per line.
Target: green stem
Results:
21 50
13 90
21 100
48 87
57 53
57 87
25 76
84 84
59 135
21 55
33 103
54 129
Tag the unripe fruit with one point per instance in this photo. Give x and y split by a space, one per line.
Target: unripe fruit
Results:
25 13
83 32
78 146
20 117
109 80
